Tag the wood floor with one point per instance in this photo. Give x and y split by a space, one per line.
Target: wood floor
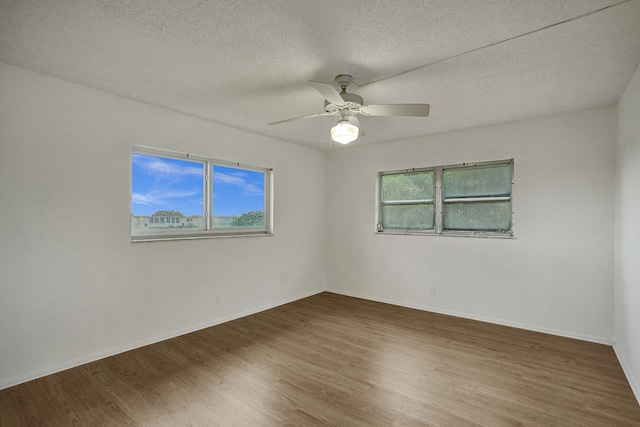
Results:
335 360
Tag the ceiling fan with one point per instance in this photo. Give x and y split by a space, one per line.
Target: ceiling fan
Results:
348 105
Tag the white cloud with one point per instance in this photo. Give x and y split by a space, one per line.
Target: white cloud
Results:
239 180
158 166
161 198
253 189
225 178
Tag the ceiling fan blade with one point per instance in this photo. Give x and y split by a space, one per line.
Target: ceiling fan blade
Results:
301 117
354 121
328 91
413 110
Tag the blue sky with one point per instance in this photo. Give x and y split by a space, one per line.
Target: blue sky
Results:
160 183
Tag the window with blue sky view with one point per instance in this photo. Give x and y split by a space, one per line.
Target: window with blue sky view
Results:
160 183
169 194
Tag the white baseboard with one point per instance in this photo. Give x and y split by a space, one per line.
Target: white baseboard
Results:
635 386
597 340
132 346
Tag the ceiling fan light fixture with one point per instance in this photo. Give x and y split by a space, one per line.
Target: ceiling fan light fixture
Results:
347 106
344 132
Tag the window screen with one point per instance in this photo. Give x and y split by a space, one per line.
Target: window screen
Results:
466 199
408 201
477 198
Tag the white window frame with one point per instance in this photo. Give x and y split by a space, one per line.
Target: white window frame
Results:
439 202
209 231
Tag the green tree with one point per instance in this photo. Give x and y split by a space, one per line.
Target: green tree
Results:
169 213
249 219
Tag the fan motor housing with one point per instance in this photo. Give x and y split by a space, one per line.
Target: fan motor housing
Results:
352 105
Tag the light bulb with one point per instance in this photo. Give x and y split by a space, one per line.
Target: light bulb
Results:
344 132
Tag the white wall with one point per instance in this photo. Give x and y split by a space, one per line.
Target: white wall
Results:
555 276
74 288
627 246
72 285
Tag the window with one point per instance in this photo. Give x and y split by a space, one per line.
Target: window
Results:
467 199
179 195
408 201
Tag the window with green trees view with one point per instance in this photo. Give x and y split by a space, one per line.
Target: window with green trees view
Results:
466 199
179 195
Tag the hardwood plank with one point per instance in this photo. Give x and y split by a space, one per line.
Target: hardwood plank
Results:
336 360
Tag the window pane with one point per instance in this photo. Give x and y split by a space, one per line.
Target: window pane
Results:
477 216
238 197
408 217
408 186
166 193
477 182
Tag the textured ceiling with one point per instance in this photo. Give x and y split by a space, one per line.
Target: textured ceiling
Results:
245 63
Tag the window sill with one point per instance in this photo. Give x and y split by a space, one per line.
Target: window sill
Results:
459 234
147 239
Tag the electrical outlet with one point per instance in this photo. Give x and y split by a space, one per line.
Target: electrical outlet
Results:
218 298
432 290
